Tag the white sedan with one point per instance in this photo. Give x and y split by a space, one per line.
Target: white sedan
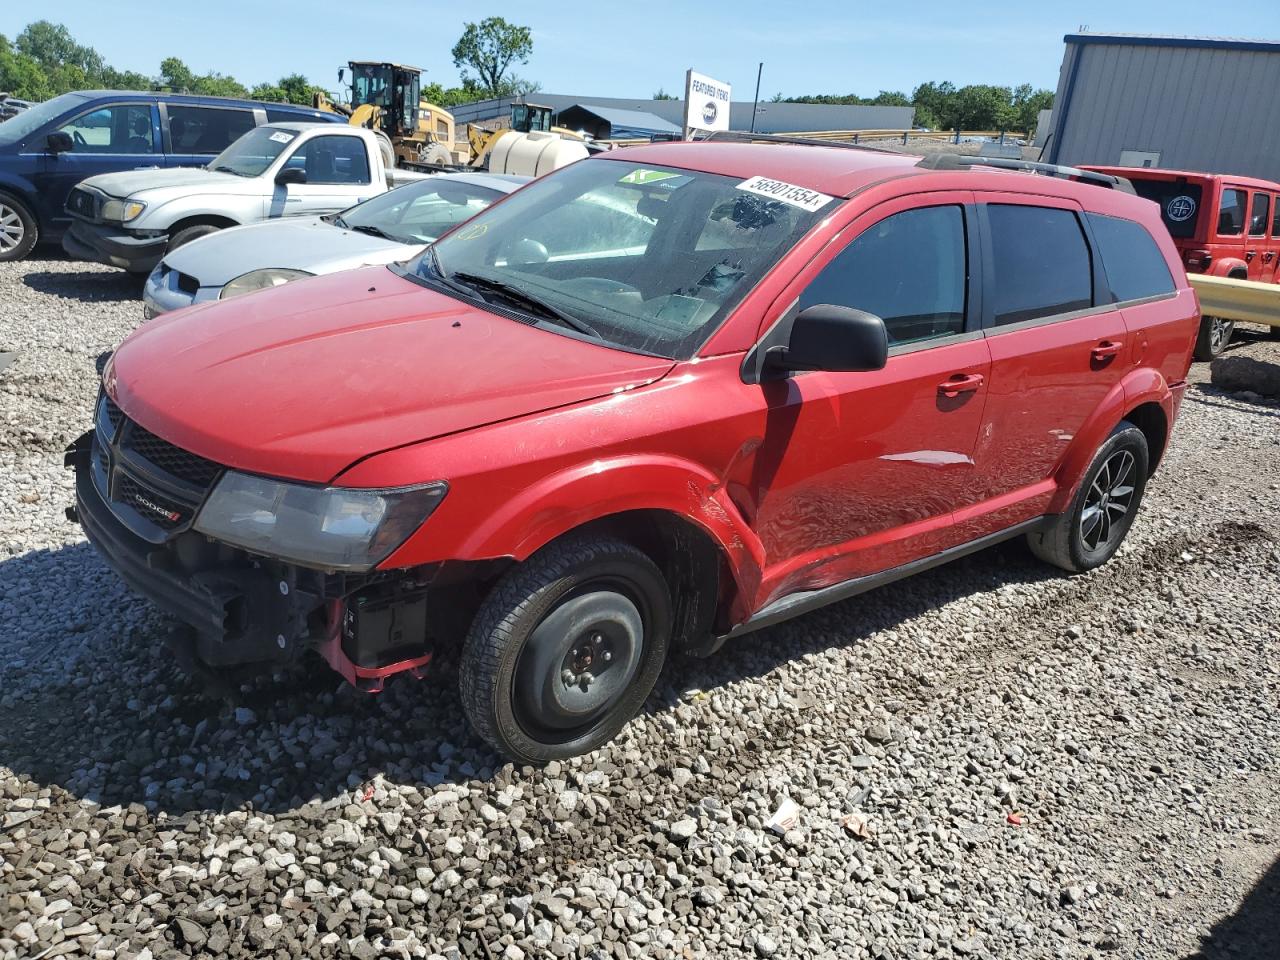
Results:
387 228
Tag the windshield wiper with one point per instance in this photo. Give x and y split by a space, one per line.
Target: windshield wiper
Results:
523 298
223 168
370 229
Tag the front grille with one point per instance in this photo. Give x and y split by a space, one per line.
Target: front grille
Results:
81 202
159 509
109 416
100 452
170 459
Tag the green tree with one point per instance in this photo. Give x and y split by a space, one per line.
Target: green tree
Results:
51 45
176 75
663 95
22 76
270 92
297 88
490 48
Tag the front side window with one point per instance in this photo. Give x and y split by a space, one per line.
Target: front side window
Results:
1040 263
206 129
1231 213
1259 214
1134 265
333 160
420 212
909 269
121 129
619 246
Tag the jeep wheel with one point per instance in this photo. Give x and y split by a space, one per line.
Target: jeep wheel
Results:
18 229
1104 507
1215 334
565 649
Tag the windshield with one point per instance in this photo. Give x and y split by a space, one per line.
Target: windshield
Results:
370 83
22 125
650 258
254 152
420 212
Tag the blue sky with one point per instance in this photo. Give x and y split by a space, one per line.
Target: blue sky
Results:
620 49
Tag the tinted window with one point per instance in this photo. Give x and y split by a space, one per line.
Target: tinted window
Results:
1133 263
1040 263
1231 213
1259 214
125 128
908 269
1275 219
1179 203
333 160
206 129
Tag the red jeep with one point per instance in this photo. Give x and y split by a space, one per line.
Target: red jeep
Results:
657 399
1222 225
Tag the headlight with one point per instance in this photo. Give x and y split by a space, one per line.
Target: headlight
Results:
260 280
122 211
332 528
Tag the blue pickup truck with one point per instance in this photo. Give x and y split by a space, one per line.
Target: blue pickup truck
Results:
48 149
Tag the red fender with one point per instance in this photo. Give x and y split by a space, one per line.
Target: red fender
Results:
1223 267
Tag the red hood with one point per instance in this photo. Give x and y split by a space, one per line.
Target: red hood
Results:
303 380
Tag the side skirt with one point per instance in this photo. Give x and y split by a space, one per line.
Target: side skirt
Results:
797 604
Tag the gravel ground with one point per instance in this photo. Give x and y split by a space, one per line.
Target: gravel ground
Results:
989 760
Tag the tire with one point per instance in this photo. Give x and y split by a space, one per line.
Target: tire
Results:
18 229
435 155
582 607
187 234
1215 334
1071 541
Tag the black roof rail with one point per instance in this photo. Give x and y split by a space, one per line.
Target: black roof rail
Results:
958 161
739 136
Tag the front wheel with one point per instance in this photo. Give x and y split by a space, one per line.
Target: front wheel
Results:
1103 509
565 649
1215 334
18 229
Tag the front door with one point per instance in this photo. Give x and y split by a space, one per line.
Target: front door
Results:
105 139
860 472
337 174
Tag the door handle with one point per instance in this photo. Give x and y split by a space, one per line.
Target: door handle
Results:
1268 256
1106 350
960 383
1249 255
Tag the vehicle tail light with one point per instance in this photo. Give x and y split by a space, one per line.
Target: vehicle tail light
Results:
1198 260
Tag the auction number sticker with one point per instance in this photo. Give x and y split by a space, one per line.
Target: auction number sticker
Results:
780 190
641 175
281 137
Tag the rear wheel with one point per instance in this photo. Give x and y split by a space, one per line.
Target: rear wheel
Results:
1215 334
18 229
1103 510
565 649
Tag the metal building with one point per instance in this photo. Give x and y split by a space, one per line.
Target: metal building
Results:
1183 103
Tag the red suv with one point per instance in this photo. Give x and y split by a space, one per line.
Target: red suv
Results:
655 400
1224 226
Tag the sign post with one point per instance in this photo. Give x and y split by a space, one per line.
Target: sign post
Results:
706 104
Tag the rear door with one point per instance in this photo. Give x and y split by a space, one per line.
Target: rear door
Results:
1257 240
194 135
1271 255
1058 346
338 174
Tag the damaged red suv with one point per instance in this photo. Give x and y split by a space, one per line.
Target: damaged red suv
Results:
653 401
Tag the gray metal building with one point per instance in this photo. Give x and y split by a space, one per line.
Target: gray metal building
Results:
770 117
1183 103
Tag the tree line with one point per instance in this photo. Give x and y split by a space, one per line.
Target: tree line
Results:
944 106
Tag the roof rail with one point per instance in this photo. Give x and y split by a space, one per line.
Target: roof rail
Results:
739 136
957 161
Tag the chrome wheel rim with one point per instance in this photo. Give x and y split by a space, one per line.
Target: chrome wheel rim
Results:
1108 501
11 229
1219 331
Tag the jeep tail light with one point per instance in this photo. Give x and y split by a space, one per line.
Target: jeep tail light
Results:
1198 260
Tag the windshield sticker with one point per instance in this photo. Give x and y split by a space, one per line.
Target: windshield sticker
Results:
801 197
281 137
473 233
641 175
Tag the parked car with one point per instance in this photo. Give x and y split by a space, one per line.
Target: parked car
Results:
132 219
1222 225
47 149
390 227
655 400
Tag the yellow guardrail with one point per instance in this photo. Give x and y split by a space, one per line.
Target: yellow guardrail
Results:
1244 300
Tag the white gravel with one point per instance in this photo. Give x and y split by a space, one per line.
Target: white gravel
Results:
990 760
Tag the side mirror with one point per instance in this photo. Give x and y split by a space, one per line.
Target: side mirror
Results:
59 142
836 339
291 175
342 73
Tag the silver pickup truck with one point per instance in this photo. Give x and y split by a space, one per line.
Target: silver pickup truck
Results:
132 219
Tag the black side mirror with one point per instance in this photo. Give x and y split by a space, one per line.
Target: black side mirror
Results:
59 142
291 175
836 339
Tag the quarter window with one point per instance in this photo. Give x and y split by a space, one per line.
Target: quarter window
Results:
909 269
206 129
122 129
1134 265
1259 214
1040 263
1231 213
332 160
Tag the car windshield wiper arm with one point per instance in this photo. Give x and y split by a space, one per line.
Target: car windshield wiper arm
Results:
370 229
527 300
223 168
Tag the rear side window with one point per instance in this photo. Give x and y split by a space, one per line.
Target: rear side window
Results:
909 269
1231 213
1179 203
1133 263
1040 262
206 129
1275 218
1259 214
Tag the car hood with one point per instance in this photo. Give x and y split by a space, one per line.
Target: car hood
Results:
127 183
309 244
302 380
